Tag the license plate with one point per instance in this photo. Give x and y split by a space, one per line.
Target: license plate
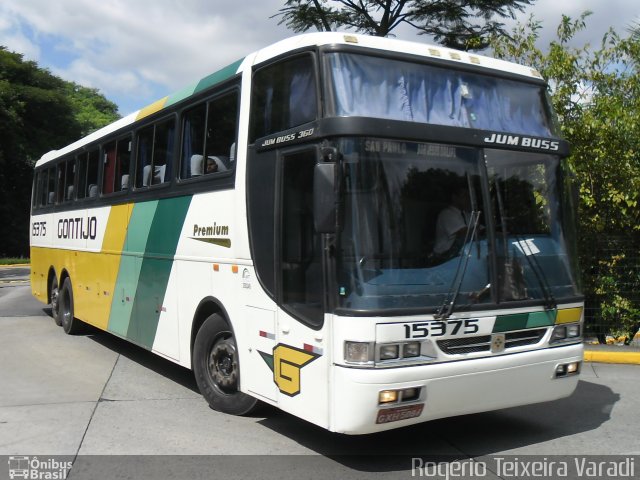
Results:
399 413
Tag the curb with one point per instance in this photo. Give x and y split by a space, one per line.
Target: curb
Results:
629 358
16 265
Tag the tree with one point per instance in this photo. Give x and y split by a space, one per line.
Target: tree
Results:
462 24
38 112
91 109
596 93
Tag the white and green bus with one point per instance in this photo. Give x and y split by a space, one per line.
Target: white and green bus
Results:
366 233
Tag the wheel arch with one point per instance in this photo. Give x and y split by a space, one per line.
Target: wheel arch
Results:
52 273
207 307
63 276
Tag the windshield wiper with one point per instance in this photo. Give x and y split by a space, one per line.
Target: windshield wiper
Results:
511 283
511 270
448 305
534 265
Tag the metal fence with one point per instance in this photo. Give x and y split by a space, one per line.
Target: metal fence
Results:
611 279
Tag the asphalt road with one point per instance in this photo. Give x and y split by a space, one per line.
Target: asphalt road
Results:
102 403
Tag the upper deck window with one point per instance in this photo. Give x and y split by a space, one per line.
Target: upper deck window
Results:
398 90
283 96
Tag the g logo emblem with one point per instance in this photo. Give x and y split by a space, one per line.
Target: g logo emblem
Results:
286 363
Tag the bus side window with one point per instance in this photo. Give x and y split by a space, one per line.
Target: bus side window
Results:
51 188
163 152
143 159
92 173
155 154
81 182
221 133
109 167
42 189
37 193
123 157
34 189
69 186
116 160
193 125
60 181
283 96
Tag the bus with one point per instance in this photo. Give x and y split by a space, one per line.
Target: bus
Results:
366 233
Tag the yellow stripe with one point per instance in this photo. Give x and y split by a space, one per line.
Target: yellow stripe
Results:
116 230
569 315
153 108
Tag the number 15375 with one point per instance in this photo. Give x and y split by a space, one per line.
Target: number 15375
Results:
468 326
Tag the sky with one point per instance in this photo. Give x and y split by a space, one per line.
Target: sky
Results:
138 51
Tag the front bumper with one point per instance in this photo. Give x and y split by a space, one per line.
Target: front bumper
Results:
453 388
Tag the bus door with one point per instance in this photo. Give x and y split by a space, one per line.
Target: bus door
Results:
300 359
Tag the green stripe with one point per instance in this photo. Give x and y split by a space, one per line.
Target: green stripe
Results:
140 226
541 319
219 76
208 81
122 302
504 323
130 264
157 262
522 321
181 95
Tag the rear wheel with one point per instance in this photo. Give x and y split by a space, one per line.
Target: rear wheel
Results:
70 324
216 368
55 292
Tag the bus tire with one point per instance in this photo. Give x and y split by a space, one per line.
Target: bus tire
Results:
55 293
70 324
216 368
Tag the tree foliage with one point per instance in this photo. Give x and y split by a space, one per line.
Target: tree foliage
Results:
596 93
38 112
462 24
91 109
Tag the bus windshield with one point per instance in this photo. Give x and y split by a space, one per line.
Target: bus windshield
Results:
369 86
422 221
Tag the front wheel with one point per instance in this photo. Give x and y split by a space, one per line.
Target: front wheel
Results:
216 368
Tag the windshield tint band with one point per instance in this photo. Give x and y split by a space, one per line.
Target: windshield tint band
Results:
372 127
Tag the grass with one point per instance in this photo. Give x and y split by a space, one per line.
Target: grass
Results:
13 261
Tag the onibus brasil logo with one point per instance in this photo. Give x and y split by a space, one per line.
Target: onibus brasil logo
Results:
35 468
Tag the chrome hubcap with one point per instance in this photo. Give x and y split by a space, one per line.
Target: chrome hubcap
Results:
223 366
54 300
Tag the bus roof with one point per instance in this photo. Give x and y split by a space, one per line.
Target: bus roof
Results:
291 44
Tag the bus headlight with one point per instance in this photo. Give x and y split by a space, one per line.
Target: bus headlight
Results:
573 331
389 352
569 333
411 349
559 333
368 354
357 352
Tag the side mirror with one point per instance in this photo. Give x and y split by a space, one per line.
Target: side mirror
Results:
325 211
